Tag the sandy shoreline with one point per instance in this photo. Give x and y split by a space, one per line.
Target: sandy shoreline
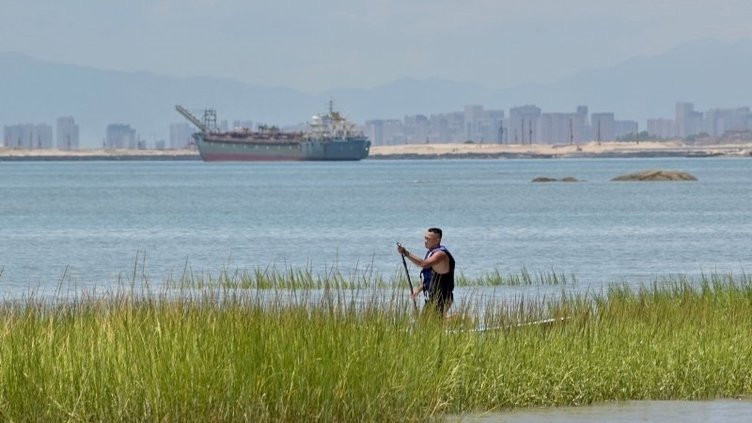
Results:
9 154
591 149
430 151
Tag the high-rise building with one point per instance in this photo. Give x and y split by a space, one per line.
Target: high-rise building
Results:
602 126
120 136
523 121
716 122
17 136
482 125
181 135
688 121
560 128
416 129
661 128
473 117
584 113
447 127
28 135
43 135
67 133
375 131
385 131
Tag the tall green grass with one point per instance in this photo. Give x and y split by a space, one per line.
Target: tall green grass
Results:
231 354
291 278
497 278
334 278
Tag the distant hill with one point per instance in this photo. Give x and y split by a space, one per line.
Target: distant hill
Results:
709 72
34 91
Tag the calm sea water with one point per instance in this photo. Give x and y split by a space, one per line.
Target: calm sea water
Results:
720 411
95 217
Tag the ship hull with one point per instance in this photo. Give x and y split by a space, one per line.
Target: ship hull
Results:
224 149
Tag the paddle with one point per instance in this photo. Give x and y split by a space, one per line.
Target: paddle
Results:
407 272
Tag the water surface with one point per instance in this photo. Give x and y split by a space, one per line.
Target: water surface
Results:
722 411
95 217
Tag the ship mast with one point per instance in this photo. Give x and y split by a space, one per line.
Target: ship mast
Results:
335 116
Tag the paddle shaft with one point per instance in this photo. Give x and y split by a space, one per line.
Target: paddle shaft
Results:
409 282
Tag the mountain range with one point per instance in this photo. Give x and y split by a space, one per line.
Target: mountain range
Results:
711 73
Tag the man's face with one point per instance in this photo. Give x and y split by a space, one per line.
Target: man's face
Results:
431 240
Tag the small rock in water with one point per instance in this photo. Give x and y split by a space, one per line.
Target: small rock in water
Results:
543 179
547 179
657 175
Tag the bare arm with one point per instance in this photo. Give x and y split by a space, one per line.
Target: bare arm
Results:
435 258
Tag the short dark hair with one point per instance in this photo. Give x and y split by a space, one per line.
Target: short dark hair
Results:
437 231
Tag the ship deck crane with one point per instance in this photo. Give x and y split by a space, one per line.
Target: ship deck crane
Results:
205 125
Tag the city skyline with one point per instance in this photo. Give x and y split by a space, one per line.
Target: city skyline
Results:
527 124
709 73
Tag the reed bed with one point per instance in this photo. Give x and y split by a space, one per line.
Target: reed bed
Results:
334 278
227 354
272 278
523 278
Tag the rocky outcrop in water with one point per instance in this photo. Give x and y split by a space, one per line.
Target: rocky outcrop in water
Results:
656 175
547 179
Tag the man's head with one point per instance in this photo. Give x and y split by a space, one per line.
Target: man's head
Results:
432 238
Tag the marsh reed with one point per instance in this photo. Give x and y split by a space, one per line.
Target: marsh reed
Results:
225 353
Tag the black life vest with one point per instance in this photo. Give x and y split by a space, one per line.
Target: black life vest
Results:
432 281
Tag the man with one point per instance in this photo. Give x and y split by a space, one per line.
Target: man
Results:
437 274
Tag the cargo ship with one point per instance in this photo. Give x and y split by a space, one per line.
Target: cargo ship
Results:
327 137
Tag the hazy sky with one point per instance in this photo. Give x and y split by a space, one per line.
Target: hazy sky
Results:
317 45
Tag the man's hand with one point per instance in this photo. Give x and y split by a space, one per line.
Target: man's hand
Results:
401 250
415 293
